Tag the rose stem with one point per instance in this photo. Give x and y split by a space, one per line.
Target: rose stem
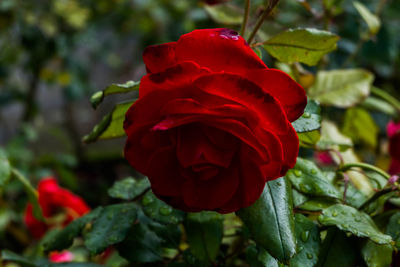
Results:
363 166
267 11
245 17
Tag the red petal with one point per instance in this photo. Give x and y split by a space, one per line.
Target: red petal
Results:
177 76
250 186
290 143
236 88
211 194
35 227
159 57
281 86
218 50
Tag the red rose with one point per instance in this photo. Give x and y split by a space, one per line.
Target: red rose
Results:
212 122
214 2
59 206
393 130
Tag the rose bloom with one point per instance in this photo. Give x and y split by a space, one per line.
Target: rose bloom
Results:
212 122
59 207
59 257
393 131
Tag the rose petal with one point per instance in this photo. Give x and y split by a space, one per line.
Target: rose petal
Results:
159 57
290 143
281 86
218 50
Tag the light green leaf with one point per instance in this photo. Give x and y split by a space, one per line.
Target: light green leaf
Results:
225 13
310 120
341 88
307 178
301 45
309 139
393 228
374 103
114 88
5 168
110 227
111 126
376 255
271 221
360 126
204 232
372 20
308 243
160 211
129 188
349 219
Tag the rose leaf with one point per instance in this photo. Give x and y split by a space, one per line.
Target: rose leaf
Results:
129 188
114 88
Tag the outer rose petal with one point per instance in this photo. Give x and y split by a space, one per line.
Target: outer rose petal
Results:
35 227
159 57
290 143
393 128
281 86
394 146
218 50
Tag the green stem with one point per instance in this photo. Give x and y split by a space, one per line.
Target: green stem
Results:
363 166
387 97
245 17
267 11
25 182
375 197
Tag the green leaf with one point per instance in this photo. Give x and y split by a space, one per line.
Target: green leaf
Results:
5 168
308 243
204 234
372 20
332 138
310 120
341 88
393 228
114 88
307 178
316 204
7 255
349 219
129 188
374 103
309 139
110 227
63 239
159 211
376 255
225 13
271 221
111 126
337 250
360 126
301 45
169 233
259 257
141 245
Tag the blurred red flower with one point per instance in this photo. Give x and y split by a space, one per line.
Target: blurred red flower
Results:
59 207
65 256
393 131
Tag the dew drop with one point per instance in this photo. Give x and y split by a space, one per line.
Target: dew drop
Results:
298 173
305 235
309 256
314 171
306 115
147 200
334 214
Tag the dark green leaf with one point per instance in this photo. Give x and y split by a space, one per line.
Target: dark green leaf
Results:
341 88
159 210
62 239
141 245
307 178
110 227
377 255
114 88
225 13
351 220
7 255
5 168
301 45
393 228
129 188
310 120
308 243
111 126
271 221
317 204
169 233
259 257
360 126
204 233
337 250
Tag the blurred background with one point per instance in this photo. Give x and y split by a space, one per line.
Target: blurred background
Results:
55 54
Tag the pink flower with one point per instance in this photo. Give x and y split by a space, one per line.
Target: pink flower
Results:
65 256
